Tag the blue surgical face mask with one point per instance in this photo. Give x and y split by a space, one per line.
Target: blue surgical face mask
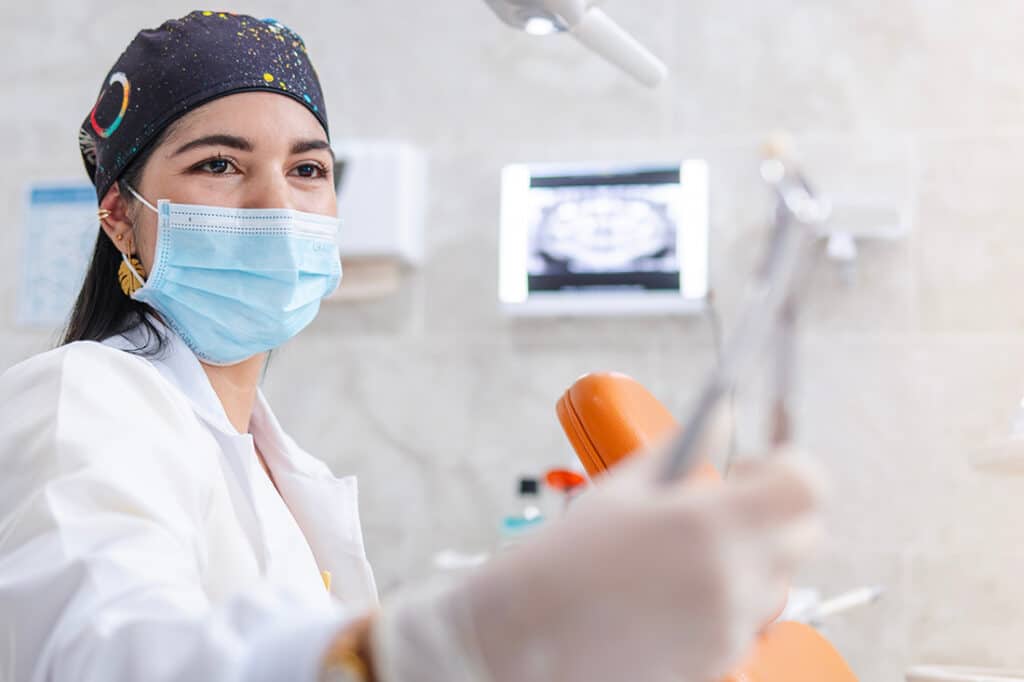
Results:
234 282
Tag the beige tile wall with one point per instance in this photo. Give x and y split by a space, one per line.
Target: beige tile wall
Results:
438 402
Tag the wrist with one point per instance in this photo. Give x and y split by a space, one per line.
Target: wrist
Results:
426 633
349 656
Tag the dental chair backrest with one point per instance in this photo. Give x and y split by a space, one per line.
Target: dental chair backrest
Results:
609 417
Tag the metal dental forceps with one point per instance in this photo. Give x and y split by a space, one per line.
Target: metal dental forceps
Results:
769 313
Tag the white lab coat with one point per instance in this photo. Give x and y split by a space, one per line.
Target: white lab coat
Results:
140 538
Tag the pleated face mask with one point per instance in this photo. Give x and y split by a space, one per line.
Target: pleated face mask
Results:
234 282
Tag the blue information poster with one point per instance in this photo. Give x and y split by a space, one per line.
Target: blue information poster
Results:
58 237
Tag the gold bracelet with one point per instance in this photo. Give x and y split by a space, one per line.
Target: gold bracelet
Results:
348 659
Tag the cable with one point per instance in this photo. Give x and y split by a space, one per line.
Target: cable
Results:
717 336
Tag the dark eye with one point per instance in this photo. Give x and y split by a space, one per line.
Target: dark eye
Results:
216 166
311 170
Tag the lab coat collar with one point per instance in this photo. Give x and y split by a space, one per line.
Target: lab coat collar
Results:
325 507
179 365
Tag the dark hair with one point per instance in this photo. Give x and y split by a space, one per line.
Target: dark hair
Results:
102 310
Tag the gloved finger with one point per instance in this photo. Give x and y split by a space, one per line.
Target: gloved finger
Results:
780 550
773 492
762 568
776 599
755 598
746 466
716 435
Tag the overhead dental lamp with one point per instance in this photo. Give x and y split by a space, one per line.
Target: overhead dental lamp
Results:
589 25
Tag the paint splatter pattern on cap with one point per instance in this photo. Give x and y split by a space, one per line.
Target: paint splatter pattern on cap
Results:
168 71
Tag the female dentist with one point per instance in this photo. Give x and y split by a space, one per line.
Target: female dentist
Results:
156 522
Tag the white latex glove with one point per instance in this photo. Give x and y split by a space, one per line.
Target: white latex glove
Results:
638 582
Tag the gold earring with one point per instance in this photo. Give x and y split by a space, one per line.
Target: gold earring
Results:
125 277
103 214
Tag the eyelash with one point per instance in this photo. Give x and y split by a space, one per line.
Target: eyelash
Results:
321 168
201 166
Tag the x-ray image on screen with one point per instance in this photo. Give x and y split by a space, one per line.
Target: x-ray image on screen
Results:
600 238
605 235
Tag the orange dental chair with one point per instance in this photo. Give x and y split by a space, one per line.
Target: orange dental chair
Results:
609 417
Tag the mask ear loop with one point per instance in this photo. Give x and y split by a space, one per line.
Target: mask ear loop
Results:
138 196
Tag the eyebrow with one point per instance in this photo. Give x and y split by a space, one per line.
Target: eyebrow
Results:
219 139
243 144
309 145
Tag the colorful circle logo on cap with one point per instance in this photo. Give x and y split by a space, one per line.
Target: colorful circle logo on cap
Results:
126 89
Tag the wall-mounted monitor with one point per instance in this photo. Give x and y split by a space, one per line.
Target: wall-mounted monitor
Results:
604 239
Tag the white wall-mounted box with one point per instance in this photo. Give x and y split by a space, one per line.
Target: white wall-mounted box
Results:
382 200
381 187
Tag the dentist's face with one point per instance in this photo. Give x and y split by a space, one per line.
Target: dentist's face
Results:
246 150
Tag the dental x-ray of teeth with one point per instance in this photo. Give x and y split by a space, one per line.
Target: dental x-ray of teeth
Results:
606 231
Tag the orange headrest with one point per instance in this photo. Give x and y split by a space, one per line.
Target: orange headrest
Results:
609 416
793 652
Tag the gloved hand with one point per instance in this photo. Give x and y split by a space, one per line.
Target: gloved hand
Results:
639 581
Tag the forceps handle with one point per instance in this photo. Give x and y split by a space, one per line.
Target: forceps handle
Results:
785 368
774 302
755 320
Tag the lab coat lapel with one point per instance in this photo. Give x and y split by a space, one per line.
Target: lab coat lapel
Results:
325 507
179 365
182 368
